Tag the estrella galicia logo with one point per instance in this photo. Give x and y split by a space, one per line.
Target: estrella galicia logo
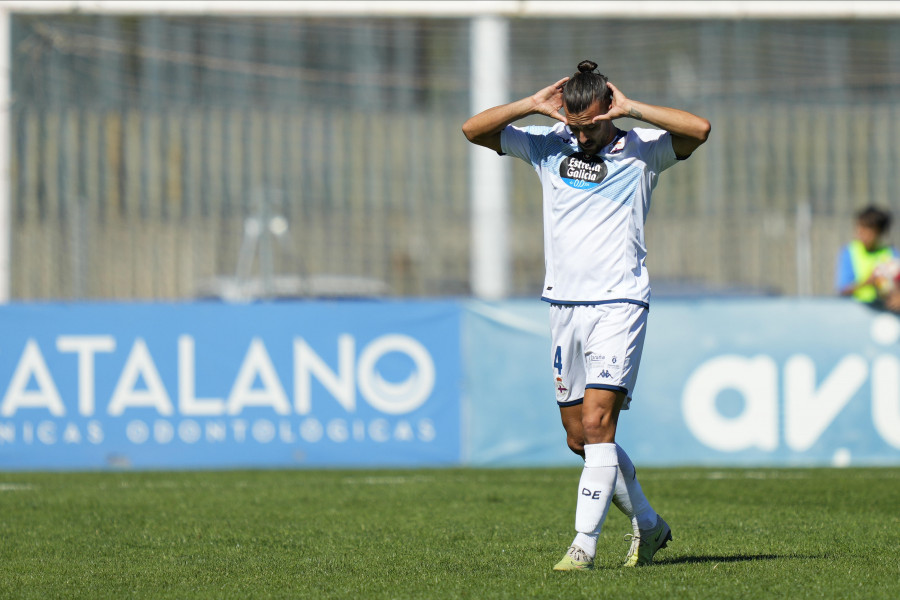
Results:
582 171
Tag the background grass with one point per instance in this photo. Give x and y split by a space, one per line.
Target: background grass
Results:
456 533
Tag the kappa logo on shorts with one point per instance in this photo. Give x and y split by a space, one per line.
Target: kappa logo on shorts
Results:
582 171
605 374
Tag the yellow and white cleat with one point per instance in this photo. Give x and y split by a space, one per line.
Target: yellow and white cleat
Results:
645 544
575 559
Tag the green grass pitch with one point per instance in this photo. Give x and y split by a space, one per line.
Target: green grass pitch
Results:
451 533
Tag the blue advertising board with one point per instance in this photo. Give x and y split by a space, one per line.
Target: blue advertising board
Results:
426 383
770 381
89 386
511 416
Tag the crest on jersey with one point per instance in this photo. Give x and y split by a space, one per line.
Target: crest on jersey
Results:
582 171
562 392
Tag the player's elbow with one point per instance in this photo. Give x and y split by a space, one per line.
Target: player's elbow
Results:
480 137
703 129
691 139
471 131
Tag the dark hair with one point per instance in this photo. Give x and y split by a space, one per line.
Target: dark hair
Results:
874 218
584 87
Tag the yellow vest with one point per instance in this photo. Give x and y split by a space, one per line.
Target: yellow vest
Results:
864 263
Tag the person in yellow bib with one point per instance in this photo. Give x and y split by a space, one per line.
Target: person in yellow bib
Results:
859 262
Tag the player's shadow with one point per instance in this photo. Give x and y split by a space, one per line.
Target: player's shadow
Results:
719 559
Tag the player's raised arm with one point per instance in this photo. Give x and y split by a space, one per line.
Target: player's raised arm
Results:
485 127
688 130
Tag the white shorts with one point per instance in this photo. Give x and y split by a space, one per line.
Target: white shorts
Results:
596 346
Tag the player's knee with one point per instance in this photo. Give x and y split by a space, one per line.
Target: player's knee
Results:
576 444
599 430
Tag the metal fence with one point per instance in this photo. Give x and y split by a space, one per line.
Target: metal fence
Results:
168 157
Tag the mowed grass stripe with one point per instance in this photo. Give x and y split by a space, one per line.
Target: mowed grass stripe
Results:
441 533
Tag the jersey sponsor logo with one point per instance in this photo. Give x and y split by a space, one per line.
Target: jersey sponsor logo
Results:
582 171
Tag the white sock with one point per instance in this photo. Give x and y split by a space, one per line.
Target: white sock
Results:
595 491
629 497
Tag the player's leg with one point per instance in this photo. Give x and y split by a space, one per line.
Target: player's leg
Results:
609 376
598 477
650 531
594 435
571 420
568 374
628 496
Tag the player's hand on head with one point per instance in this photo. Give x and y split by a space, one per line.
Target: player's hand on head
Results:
549 100
617 107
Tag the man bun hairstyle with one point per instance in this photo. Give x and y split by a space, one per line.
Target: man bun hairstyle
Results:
584 87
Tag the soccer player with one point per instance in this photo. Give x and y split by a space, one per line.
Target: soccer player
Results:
596 181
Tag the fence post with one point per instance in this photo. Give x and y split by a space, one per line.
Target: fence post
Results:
803 235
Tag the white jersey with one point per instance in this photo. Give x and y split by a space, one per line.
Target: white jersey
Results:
595 207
